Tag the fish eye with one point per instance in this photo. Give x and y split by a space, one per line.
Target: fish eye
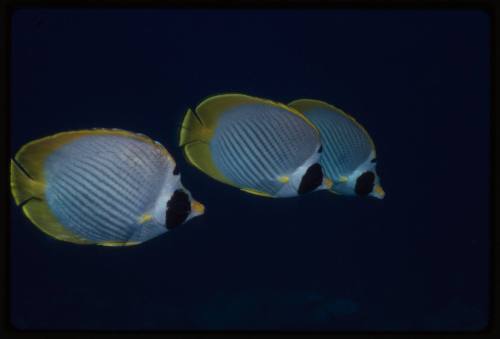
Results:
364 183
312 179
374 160
176 170
320 149
178 209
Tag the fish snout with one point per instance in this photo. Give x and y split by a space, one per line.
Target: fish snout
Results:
327 183
378 192
197 208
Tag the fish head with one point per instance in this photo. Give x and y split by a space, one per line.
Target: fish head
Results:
365 180
182 207
176 205
308 177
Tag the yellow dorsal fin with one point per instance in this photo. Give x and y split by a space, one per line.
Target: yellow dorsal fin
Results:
27 178
304 105
255 192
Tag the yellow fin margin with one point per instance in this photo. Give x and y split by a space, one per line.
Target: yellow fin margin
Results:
118 243
194 138
30 194
303 105
256 192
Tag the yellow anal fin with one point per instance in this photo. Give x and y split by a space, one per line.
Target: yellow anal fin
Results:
255 192
118 243
39 213
304 105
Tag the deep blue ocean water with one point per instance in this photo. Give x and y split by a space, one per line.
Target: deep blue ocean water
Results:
419 81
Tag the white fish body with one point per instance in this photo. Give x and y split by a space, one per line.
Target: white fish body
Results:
107 187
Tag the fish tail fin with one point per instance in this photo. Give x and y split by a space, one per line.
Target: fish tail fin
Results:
193 129
194 139
23 187
27 184
29 194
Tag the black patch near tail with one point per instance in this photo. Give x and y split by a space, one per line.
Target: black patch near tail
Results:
178 209
312 179
364 184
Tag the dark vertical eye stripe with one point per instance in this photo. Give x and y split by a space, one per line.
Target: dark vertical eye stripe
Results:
178 209
364 184
311 179
176 170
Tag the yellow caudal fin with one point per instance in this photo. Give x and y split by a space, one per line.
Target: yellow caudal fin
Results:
304 105
198 128
194 140
27 179
30 195
22 186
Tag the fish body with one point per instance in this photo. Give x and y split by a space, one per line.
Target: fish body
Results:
260 146
349 154
103 186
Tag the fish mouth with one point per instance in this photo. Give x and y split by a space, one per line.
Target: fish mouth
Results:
197 207
327 183
378 192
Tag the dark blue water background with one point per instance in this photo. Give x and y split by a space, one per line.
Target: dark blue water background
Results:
417 80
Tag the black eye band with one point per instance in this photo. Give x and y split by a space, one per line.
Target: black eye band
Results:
364 184
312 179
178 209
